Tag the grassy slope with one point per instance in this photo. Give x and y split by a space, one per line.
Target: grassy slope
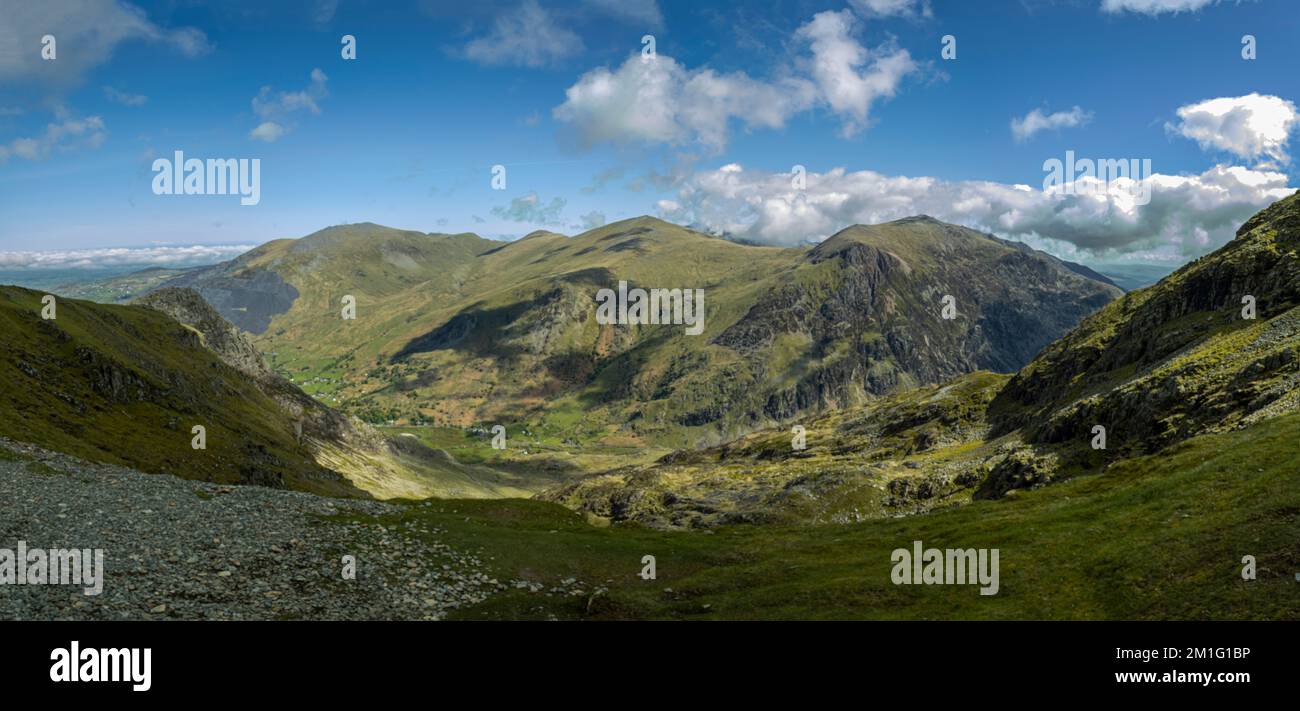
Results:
58 376
1176 357
496 383
1157 537
858 463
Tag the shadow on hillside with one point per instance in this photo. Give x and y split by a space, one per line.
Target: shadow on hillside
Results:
483 331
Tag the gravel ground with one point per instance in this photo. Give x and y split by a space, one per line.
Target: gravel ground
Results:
178 549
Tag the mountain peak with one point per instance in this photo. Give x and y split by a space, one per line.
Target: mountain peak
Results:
537 234
916 218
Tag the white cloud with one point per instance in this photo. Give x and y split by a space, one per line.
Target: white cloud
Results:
268 131
525 36
1024 128
66 133
277 108
269 104
1154 7
163 256
87 32
1251 126
892 8
124 98
1187 215
850 78
662 101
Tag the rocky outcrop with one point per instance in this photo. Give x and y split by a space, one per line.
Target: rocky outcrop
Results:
1179 358
217 334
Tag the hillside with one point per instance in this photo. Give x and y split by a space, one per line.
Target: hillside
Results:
386 467
1154 368
125 385
456 331
1154 538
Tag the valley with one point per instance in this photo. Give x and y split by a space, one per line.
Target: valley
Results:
909 427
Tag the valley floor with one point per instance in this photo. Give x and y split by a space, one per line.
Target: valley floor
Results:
1158 537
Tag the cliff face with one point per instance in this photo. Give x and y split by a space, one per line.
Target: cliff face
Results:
217 334
871 304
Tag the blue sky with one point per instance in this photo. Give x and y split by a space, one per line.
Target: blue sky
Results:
705 134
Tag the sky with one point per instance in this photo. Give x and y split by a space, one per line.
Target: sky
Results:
778 122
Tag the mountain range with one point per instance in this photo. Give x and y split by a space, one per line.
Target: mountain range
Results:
456 330
1212 348
905 407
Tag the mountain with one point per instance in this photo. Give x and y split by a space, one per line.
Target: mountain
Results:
1157 367
1179 358
126 385
386 467
458 331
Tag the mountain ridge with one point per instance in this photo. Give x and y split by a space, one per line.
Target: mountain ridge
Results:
449 319
1153 369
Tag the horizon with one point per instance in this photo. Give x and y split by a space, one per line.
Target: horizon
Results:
79 265
568 116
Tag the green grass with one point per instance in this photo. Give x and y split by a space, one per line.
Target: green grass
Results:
1158 537
125 384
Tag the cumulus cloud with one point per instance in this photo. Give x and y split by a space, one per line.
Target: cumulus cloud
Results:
850 78
662 101
65 133
161 256
1154 7
1187 215
1024 128
526 36
125 98
277 108
529 208
1251 126
268 131
86 32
